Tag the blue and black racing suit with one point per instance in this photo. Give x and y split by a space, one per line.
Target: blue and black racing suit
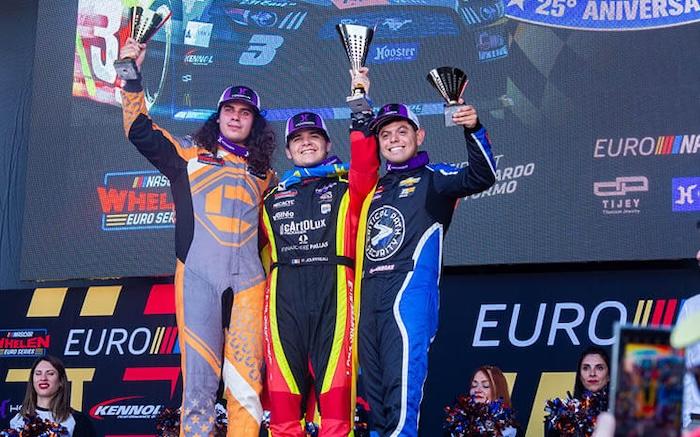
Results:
406 218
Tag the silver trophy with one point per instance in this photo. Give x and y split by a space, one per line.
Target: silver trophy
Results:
450 83
143 24
356 40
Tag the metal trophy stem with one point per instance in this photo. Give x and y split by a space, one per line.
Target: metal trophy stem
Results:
356 40
450 82
143 24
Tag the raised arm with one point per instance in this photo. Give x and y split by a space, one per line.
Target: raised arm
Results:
364 157
163 150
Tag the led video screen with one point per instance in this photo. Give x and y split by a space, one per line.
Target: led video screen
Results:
593 109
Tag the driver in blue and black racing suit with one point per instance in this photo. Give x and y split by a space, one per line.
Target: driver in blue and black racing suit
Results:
406 217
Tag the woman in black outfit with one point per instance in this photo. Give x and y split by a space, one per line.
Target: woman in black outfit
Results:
47 397
592 377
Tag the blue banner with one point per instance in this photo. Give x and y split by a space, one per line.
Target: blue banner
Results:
606 15
686 194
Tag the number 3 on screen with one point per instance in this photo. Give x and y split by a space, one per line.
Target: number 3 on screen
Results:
110 13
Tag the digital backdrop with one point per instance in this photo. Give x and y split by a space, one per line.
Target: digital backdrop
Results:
593 108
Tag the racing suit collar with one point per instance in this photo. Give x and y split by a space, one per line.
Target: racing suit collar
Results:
330 160
329 167
232 147
421 159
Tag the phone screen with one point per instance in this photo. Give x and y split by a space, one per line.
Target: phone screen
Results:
648 384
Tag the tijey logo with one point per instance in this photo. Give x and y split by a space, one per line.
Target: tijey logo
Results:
615 199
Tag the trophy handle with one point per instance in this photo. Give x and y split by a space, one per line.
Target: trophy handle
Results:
126 69
358 88
358 103
449 112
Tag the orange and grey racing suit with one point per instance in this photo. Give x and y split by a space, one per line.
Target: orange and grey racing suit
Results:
217 204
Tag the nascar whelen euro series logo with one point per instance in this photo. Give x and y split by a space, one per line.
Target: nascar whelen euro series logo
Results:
24 343
136 200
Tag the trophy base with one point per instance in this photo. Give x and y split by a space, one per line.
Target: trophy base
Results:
358 103
449 111
126 69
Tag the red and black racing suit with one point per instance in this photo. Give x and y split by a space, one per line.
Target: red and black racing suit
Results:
311 224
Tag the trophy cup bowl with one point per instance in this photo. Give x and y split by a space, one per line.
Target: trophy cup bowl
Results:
143 24
450 82
356 40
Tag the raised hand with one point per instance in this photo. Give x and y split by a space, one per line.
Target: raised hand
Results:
466 116
134 50
360 77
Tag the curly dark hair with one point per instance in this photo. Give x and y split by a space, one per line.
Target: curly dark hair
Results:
261 143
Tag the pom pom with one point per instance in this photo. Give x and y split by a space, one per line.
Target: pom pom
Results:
575 417
36 427
168 423
484 419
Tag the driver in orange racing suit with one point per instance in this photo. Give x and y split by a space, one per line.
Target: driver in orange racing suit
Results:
217 178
